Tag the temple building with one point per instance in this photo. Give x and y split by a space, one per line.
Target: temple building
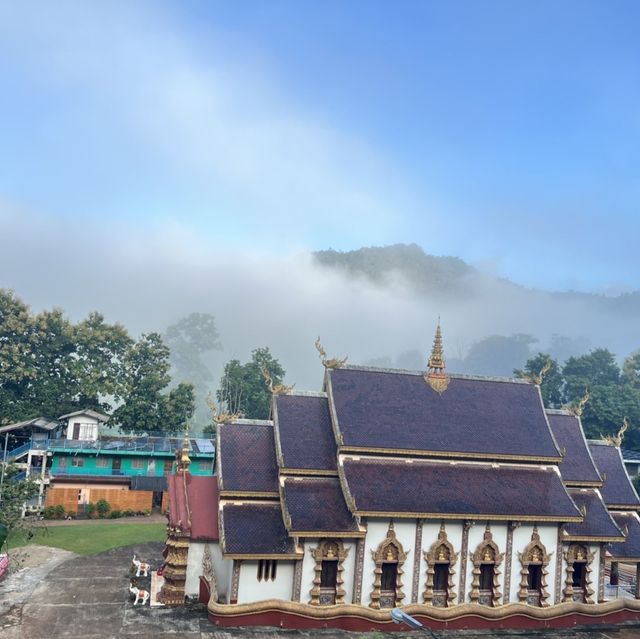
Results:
458 498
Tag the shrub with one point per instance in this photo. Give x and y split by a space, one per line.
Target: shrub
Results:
59 511
49 512
128 513
115 514
103 508
90 509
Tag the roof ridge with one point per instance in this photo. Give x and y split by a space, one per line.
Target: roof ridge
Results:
249 422
560 411
404 371
304 393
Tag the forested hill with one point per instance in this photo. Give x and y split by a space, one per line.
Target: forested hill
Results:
450 276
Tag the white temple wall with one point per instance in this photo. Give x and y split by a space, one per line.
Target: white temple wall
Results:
377 530
194 568
476 536
430 531
308 570
521 538
250 589
309 573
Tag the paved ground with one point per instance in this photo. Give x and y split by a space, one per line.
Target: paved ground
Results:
62 595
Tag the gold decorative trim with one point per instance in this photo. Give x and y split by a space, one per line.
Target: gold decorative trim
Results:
534 553
328 550
462 591
487 552
234 494
341 534
441 551
577 553
594 539
314 472
623 507
427 612
417 557
483 516
329 363
389 550
583 484
209 573
511 526
412 452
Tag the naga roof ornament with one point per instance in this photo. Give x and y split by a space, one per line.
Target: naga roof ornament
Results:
435 375
329 363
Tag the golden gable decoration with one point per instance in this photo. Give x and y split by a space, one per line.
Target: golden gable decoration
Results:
486 553
440 552
390 551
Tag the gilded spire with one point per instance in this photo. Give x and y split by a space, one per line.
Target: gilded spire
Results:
436 376
185 460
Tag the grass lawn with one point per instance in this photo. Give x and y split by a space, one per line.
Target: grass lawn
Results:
89 539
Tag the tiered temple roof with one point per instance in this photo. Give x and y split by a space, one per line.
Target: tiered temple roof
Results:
414 487
247 463
397 412
598 524
617 490
578 467
255 530
304 438
315 506
628 551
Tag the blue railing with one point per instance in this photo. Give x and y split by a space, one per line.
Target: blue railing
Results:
18 452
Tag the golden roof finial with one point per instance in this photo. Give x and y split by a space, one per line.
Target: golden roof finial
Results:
616 440
185 460
435 376
539 378
275 389
577 409
329 363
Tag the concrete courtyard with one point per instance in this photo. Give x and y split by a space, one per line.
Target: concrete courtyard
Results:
62 595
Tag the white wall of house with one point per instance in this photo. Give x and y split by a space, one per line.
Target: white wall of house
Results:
194 568
251 589
88 427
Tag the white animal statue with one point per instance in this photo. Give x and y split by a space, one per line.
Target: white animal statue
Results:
142 568
142 596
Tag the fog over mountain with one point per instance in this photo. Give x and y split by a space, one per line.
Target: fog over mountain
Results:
376 305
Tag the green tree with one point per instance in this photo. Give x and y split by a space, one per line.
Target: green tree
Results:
147 406
551 387
189 340
631 369
15 492
243 389
597 368
498 354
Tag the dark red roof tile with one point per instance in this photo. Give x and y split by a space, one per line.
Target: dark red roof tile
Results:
458 489
400 411
597 523
617 489
193 504
577 464
304 429
317 504
247 458
253 528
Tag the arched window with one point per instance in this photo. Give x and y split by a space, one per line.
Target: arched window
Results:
441 559
387 584
577 584
327 583
533 575
485 587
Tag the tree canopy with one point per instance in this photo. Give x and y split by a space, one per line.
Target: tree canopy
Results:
243 389
50 366
613 393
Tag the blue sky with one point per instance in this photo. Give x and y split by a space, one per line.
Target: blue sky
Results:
506 133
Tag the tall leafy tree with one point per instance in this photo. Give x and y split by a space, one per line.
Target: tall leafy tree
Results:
597 368
147 406
190 340
551 387
498 354
243 389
